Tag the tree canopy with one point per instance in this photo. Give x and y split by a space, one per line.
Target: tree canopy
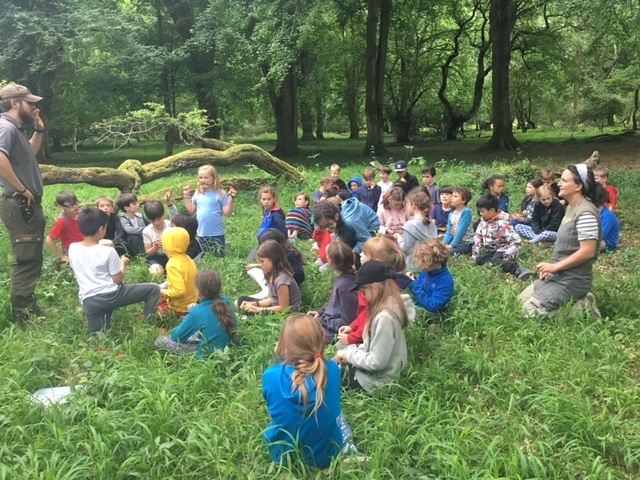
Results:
412 68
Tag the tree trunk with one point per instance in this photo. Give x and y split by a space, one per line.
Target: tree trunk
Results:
502 18
131 174
306 120
284 101
319 117
578 59
352 111
376 61
636 106
402 127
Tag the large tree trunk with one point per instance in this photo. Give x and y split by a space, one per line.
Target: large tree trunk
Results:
502 18
131 174
636 106
319 117
376 61
284 100
306 120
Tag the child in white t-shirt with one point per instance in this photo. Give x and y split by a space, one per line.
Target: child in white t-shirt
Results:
152 233
100 272
385 184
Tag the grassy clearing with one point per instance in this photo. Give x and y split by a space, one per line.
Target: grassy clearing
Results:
489 395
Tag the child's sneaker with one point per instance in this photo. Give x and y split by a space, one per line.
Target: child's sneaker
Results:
545 244
524 274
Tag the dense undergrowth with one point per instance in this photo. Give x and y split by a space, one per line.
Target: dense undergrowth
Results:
488 395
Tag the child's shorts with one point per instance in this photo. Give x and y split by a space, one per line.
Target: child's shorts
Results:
158 260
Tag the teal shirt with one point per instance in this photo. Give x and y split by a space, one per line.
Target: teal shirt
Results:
212 335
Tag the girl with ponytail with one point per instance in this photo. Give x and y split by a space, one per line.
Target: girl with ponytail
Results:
208 326
302 393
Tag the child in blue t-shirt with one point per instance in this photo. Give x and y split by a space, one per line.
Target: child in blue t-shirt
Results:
210 203
302 392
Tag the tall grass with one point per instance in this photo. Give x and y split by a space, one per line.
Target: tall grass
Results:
488 395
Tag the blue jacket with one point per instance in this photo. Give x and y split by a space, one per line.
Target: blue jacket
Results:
433 290
273 219
359 224
213 336
342 307
315 436
610 228
369 196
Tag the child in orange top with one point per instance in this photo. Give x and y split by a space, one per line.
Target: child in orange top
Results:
66 227
601 176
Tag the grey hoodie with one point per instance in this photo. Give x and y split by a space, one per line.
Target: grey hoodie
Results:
383 355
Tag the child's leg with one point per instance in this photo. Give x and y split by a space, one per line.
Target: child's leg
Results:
177 348
525 231
508 266
484 258
257 274
546 236
98 313
347 435
149 293
215 245
461 249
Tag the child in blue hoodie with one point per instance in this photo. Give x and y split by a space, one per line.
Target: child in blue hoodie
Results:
434 287
272 216
302 392
352 221
354 184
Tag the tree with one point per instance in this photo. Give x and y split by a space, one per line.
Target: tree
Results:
457 116
378 24
502 19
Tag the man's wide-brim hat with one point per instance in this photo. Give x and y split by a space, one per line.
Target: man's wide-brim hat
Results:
13 90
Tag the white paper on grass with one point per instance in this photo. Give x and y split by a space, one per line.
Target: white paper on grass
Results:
51 396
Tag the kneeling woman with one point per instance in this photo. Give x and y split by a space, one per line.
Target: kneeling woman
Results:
569 275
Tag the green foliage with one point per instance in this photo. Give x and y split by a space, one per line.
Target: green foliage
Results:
488 394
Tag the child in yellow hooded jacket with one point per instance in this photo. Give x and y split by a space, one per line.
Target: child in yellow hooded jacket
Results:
181 271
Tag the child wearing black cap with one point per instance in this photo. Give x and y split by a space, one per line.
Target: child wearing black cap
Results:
383 355
407 181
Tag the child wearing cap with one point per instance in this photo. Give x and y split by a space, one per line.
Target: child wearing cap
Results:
405 179
379 360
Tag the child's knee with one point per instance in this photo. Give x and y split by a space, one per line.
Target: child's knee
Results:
156 269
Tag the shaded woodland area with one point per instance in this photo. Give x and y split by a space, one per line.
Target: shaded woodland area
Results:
179 69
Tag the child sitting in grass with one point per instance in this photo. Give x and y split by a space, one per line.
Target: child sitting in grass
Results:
272 214
546 219
386 251
100 273
434 288
66 227
325 184
369 193
418 228
383 355
302 392
602 177
494 186
393 213
190 224
152 233
132 222
298 219
528 203
459 235
211 325
283 289
496 241
181 273
440 212
343 304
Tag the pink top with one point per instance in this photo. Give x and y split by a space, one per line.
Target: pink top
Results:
393 219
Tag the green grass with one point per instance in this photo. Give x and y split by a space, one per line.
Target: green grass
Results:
489 395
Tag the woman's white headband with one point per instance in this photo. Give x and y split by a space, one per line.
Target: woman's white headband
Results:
583 171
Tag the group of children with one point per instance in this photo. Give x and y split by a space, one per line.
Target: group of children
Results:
380 239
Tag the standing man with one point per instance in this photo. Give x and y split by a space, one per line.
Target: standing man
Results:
21 201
